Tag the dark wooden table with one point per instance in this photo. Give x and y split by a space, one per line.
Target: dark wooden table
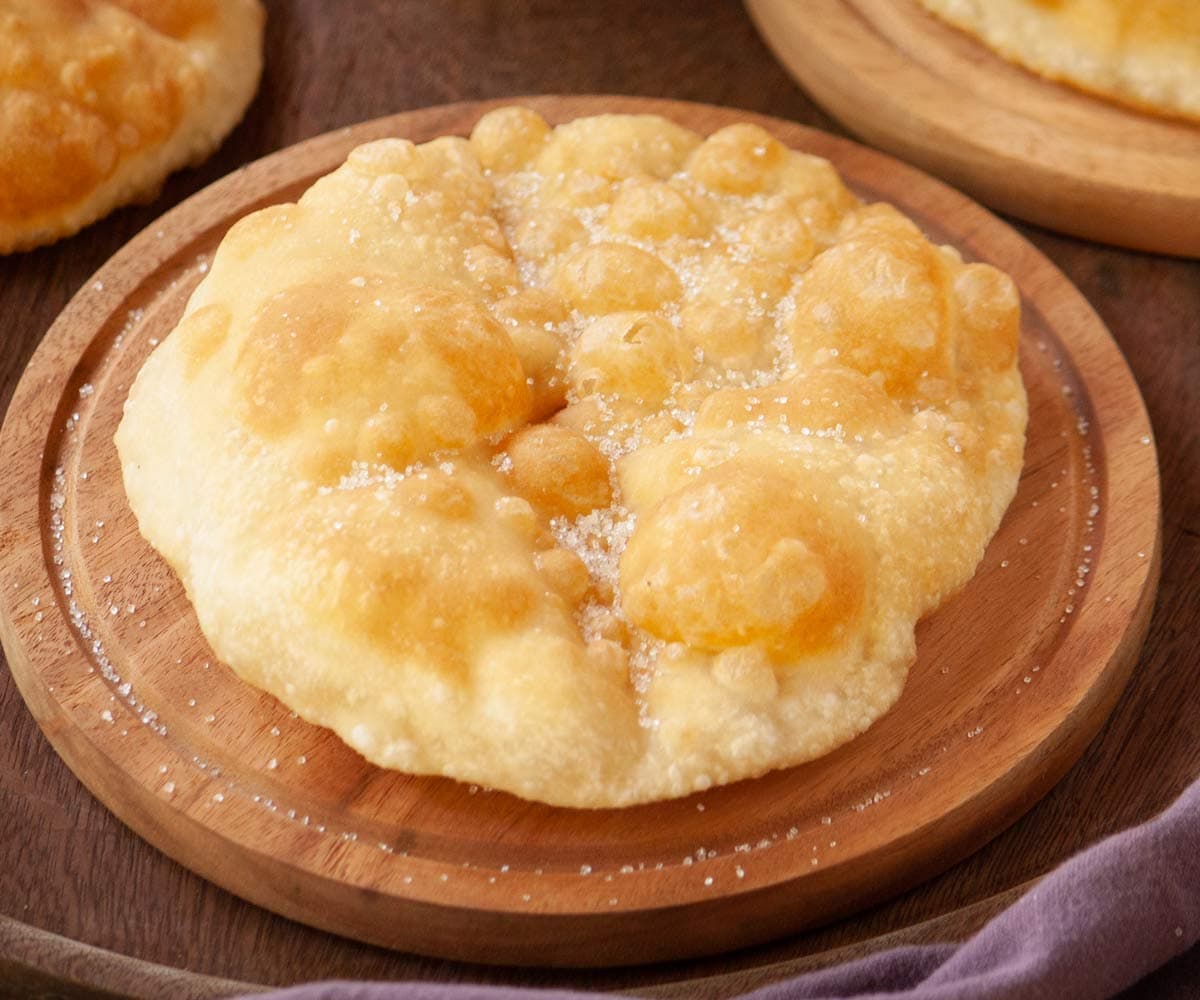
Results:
89 909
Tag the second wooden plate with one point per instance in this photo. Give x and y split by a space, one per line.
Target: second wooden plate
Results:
1014 676
908 83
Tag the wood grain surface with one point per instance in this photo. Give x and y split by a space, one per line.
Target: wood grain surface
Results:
909 83
106 650
86 903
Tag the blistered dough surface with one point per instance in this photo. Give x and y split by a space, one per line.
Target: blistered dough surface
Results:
600 464
101 99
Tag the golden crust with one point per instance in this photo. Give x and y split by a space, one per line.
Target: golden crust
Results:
1145 53
599 464
101 99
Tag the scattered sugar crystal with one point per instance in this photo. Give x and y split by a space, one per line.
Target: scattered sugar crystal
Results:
872 801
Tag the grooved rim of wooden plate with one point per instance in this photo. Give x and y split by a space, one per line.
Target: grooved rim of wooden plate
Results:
996 709
1042 151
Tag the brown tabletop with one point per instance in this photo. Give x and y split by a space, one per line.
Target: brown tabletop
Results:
87 908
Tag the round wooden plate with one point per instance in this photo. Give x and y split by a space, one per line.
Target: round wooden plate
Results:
911 84
1014 675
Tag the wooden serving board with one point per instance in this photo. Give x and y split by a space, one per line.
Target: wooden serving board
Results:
1014 675
1045 152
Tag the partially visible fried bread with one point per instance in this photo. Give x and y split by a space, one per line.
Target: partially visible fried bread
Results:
101 99
1144 53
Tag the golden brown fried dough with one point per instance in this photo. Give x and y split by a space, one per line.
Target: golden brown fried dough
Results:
1145 53
101 99
600 464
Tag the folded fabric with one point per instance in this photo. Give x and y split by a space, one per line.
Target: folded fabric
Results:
1094 926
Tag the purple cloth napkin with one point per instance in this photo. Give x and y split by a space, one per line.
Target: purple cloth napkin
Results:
1097 924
